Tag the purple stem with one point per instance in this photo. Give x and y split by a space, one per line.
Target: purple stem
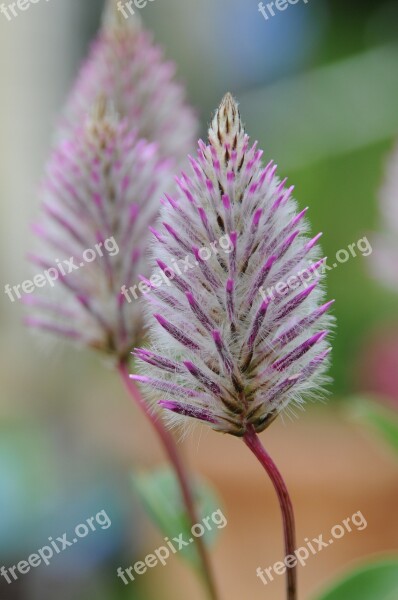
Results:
252 440
170 448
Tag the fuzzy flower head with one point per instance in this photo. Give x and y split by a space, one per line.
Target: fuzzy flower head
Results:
126 66
384 259
100 194
239 333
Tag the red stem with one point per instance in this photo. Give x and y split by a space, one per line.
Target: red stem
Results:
170 448
252 440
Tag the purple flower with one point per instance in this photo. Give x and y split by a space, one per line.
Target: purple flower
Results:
100 194
384 259
221 349
128 68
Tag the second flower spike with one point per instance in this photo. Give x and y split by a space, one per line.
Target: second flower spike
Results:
100 195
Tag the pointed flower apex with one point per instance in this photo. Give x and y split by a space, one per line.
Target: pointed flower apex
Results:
241 332
226 127
123 64
113 19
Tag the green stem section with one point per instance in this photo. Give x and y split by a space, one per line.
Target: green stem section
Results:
171 450
252 440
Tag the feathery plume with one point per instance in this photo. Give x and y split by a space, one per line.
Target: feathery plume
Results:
222 350
100 195
127 67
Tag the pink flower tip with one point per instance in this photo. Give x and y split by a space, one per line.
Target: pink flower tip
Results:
161 320
313 242
226 201
230 285
257 217
217 337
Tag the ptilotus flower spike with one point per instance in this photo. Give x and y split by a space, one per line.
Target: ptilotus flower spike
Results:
228 346
240 333
127 67
384 258
100 195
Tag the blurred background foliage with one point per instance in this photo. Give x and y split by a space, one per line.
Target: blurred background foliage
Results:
318 86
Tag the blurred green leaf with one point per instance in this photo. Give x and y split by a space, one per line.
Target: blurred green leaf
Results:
378 581
379 418
161 497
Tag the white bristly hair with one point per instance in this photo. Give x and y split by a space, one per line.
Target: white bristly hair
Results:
227 348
